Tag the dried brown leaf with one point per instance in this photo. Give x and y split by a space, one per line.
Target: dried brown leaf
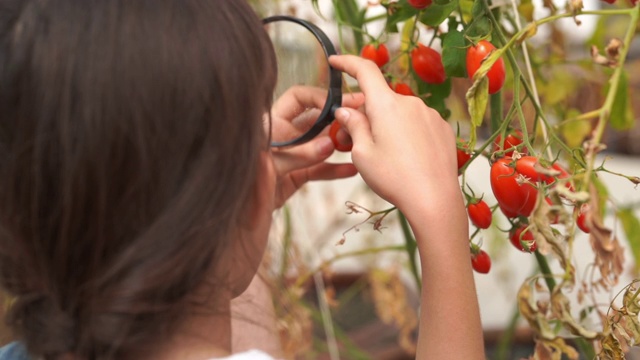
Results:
392 307
609 254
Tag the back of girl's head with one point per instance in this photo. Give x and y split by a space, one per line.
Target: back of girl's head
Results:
130 131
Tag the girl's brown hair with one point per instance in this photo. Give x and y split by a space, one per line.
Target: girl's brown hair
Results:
130 131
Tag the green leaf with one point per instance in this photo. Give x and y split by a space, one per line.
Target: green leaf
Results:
603 194
454 54
400 11
631 227
621 117
477 10
479 29
575 131
436 95
438 12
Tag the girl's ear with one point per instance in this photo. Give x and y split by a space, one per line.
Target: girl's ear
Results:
263 196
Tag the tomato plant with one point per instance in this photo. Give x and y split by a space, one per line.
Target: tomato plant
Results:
480 214
340 139
379 54
476 54
481 262
539 178
427 63
523 239
419 4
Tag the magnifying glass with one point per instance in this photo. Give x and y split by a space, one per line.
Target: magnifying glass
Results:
302 51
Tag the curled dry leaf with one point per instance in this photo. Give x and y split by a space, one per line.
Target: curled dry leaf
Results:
601 59
553 350
561 308
392 306
546 238
609 254
613 49
575 7
529 310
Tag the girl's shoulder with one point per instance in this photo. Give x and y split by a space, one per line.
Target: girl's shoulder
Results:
14 351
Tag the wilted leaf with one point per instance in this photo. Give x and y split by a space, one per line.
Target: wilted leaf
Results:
544 235
611 348
477 98
561 309
553 350
529 310
405 42
608 252
391 304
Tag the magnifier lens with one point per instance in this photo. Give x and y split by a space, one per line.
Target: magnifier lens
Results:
302 62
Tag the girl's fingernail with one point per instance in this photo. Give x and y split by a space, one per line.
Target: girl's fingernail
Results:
342 114
325 145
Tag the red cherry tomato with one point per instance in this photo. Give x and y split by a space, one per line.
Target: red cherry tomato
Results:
403 89
341 143
480 214
512 197
508 213
427 63
481 262
526 166
379 54
419 4
518 238
512 140
463 155
564 174
581 221
475 56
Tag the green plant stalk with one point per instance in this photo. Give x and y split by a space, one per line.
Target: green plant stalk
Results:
545 270
496 111
411 247
502 350
598 132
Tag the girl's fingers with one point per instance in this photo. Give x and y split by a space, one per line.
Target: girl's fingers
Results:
302 156
356 124
370 79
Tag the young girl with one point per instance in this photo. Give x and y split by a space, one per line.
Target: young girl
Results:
137 183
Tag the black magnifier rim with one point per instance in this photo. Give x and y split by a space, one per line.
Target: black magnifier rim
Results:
334 95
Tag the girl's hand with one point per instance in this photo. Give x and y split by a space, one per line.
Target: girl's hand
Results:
296 165
403 149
